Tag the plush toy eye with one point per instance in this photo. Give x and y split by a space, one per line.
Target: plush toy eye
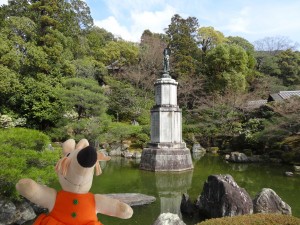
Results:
68 154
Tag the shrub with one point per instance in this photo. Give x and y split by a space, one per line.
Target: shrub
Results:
118 132
23 155
22 138
265 219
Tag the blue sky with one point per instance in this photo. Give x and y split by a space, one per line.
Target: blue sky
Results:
250 19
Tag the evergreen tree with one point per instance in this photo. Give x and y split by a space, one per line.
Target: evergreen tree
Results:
182 42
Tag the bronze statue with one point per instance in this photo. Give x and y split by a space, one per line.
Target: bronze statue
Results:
167 53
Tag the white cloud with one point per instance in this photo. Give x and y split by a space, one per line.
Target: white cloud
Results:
112 25
155 21
252 20
3 2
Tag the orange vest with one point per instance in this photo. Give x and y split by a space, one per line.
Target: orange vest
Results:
71 209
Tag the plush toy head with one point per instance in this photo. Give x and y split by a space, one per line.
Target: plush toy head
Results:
74 204
76 169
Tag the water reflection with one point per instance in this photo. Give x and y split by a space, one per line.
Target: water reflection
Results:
239 166
170 187
198 155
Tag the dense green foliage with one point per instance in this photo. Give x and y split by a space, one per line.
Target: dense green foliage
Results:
24 153
265 219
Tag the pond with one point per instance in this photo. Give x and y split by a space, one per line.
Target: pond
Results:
123 176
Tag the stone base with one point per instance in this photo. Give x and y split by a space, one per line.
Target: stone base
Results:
166 158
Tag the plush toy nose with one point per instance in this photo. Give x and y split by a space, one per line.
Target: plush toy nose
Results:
87 157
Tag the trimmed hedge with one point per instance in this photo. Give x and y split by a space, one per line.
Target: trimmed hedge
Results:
22 138
23 154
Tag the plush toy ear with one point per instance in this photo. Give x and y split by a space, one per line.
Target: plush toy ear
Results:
68 146
82 144
100 157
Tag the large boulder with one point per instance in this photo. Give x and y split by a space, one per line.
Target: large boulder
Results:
197 148
238 157
267 201
7 212
187 207
221 196
168 219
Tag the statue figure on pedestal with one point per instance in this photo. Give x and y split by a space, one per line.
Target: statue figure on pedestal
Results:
167 53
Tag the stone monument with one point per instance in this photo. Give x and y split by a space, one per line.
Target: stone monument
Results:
166 151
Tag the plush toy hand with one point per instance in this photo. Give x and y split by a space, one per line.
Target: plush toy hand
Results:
36 193
112 207
26 187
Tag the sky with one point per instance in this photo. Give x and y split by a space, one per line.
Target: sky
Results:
250 19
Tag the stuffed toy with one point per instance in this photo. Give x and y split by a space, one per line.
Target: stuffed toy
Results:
74 204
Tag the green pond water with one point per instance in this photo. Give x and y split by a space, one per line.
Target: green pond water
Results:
123 176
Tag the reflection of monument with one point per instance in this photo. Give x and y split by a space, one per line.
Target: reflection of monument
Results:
166 151
170 187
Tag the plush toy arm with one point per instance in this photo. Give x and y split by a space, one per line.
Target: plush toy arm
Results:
112 207
36 193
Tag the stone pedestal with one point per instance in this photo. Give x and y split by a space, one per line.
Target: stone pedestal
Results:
166 151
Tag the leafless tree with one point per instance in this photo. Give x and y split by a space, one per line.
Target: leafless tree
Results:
273 45
150 63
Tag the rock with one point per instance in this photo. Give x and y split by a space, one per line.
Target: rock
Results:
136 155
15 214
115 152
238 157
133 199
126 154
38 209
227 157
213 150
105 146
289 174
7 212
296 168
186 206
221 196
24 213
267 201
168 219
125 147
117 149
197 148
